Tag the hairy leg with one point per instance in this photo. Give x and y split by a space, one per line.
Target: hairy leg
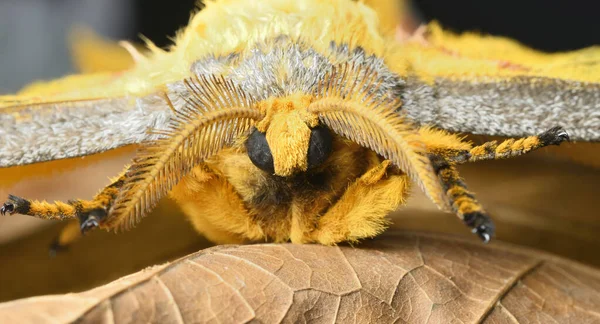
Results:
214 208
515 147
362 210
89 213
446 150
456 150
462 201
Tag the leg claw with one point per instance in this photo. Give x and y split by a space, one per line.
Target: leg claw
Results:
90 223
554 136
7 207
91 220
15 205
482 225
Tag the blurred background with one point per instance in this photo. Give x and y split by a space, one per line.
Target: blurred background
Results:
537 200
33 33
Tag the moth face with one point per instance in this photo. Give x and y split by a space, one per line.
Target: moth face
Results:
319 149
289 140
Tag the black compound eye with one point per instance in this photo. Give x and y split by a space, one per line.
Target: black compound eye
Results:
259 151
320 145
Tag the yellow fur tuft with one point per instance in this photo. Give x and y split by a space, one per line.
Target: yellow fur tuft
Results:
288 137
362 210
225 27
287 125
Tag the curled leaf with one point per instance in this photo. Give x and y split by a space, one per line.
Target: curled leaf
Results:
400 277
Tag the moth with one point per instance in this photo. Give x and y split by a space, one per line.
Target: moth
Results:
302 121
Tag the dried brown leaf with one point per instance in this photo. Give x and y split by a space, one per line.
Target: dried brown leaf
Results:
400 277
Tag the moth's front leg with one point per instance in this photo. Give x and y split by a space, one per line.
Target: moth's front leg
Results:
453 147
515 147
447 150
462 201
362 210
90 213
215 208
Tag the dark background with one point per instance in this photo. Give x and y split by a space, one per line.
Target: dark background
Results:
549 25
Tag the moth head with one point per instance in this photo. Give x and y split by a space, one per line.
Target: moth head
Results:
289 139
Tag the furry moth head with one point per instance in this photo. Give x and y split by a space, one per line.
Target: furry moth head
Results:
294 115
290 134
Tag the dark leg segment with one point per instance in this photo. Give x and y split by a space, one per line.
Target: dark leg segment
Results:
40 209
446 152
463 202
89 213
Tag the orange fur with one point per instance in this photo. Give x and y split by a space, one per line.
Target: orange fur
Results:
56 211
221 201
361 212
440 141
214 208
287 125
508 148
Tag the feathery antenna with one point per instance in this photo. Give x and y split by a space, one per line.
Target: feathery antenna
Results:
347 102
215 113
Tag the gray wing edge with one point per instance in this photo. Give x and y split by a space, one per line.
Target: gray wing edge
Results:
54 131
523 107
